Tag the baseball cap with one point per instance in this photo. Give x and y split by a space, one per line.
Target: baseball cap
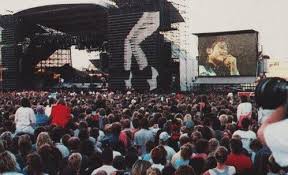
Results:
164 136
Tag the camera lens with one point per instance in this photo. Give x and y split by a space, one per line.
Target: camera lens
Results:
270 93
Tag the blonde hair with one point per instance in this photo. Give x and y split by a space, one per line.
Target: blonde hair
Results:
42 139
140 167
74 161
153 171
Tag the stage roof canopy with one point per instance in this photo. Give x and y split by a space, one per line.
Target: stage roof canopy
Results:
69 18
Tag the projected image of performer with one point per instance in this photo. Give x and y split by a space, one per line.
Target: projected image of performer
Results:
219 61
145 27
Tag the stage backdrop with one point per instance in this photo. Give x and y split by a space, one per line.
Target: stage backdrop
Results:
228 53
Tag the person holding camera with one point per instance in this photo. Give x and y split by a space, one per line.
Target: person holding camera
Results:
271 93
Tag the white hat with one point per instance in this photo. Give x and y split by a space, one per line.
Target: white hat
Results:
164 136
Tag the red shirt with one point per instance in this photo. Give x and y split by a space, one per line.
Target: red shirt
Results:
240 161
61 115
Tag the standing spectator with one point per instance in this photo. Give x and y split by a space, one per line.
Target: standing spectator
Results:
25 148
74 164
41 118
25 118
244 109
157 156
184 158
221 168
163 138
60 114
48 108
245 134
51 157
236 158
107 159
143 135
34 165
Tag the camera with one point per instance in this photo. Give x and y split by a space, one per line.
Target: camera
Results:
271 93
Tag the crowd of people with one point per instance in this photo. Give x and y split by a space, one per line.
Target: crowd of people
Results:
106 133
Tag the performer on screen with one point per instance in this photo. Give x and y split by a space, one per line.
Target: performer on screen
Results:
219 62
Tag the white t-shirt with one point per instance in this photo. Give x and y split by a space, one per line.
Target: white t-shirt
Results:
246 138
107 168
231 171
170 152
24 117
48 110
243 109
263 114
276 138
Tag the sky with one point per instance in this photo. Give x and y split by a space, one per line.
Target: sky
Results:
268 17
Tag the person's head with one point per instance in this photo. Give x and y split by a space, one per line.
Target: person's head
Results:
195 136
83 134
186 151
24 145
236 146
213 144
153 171
102 112
118 163
223 119
184 139
40 110
158 155
34 163
87 147
168 170
245 123
56 134
185 170
7 139
144 123
107 156
43 138
163 138
135 122
7 162
74 144
201 146
255 145
218 50
140 167
74 161
25 102
244 98
64 139
221 155
131 157
51 156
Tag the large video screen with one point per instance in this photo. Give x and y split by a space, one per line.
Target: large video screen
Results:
134 50
228 54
